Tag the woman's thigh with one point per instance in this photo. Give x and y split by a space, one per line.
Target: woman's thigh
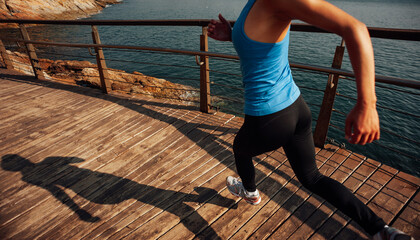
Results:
267 133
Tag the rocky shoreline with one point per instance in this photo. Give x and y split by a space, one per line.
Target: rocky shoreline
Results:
85 73
50 9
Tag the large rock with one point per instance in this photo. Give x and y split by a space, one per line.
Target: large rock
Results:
86 73
50 9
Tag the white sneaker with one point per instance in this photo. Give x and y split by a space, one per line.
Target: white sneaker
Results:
235 187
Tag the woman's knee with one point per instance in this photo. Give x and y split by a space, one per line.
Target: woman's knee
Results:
310 180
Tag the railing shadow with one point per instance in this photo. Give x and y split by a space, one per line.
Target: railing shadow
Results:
138 106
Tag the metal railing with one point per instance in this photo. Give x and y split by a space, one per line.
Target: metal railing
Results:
334 73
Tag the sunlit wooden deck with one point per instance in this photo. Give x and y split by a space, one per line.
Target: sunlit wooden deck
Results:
78 164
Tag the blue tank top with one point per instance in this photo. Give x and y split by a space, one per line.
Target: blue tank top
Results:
267 79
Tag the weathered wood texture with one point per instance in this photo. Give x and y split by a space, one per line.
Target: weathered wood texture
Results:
78 164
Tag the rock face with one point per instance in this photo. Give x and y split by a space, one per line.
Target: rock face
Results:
50 9
86 73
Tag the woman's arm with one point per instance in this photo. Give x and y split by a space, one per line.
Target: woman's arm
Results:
362 123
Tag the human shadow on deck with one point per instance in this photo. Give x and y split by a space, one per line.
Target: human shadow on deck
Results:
140 106
55 173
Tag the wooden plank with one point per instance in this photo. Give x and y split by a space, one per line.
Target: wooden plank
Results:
67 122
35 144
21 97
409 220
11 90
38 117
28 146
394 196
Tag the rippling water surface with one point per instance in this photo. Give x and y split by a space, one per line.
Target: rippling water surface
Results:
393 58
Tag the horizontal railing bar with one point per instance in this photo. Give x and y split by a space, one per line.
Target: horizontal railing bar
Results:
228 98
339 112
178 78
375 32
313 104
225 73
381 106
65 55
169 22
226 86
382 79
311 71
400 136
396 150
398 90
85 45
378 78
313 89
388 33
379 144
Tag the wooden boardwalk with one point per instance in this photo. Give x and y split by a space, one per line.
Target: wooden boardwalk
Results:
78 164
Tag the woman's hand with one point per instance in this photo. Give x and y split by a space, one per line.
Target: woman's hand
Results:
220 30
362 124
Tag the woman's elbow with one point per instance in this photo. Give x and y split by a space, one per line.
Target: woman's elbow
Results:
356 29
361 28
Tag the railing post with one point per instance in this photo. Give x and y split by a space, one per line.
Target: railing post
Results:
324 117
100 60
32 54
5 56
204 74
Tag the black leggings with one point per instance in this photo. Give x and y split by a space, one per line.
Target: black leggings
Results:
291 129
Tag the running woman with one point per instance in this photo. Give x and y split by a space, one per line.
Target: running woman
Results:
277 116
